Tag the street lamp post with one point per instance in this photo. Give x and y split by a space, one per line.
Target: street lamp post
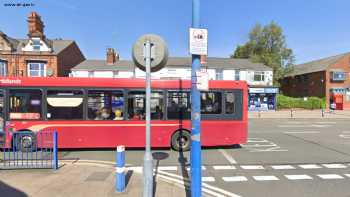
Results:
196 173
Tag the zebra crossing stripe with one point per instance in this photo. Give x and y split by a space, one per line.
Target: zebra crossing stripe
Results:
298 177
167 168
310 166
252 167
330 176
265 178
234 178
336 165
348 175
224 167
282 167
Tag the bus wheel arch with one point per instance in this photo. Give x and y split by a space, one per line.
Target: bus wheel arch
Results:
25 142
181 140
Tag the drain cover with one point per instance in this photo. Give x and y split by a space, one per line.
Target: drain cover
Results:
98 176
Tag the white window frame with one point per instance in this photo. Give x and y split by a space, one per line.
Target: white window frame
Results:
34 45
219 74
261 74
3 68
40 63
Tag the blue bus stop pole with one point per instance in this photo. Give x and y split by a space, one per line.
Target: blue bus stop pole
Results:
196 171
120 169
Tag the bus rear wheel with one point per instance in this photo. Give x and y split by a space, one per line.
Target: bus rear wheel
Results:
181 140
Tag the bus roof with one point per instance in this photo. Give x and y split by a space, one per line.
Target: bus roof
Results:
112 83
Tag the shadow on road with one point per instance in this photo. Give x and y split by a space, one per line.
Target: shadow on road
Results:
157 156
6 190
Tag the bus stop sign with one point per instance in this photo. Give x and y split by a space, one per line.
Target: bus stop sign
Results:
159 52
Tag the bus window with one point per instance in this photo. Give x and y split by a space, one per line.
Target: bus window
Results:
229 103
105 105
2 113
211 102
137 105
25 104
64 104
179 106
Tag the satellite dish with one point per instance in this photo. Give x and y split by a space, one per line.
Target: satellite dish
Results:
159 52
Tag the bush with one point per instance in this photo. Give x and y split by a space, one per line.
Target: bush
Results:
285 102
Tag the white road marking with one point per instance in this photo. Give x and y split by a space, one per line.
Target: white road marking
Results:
265 178
298 177
252 167
304 126
234 179
348 175
326 122
208 179
203 168
330 176
310 166
335 165
229 158
283 167
224 167
167 168
300 132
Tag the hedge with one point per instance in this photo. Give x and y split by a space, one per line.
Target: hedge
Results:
285 102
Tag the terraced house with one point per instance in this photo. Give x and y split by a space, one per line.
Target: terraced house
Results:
36 55
324 78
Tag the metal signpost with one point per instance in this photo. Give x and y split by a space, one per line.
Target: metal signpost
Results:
198 46
149 54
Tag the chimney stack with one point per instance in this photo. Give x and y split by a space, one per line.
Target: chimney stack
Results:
35 26
112 56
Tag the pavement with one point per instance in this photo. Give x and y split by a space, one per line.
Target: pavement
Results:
300 113
79 179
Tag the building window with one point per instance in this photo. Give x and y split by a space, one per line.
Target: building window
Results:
219 74
37 69
36 44
338 76
237 75
259 76
3 68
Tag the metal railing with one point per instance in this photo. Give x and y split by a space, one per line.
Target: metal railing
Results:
30 150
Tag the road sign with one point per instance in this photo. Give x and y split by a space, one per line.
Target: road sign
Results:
198 41
159 55
202 80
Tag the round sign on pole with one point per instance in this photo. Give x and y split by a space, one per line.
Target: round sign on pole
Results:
159 54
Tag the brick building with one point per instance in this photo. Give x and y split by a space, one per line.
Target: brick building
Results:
325 78
37 55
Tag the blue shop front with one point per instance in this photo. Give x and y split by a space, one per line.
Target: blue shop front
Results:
262 98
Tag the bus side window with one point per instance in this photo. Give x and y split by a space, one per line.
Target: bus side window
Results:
211 102
137 105
105 105
179 106
64 104
25 104
229 103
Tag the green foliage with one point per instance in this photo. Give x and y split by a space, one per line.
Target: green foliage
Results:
267 45
285 102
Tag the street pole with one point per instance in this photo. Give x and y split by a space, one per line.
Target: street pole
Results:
147 167
196 160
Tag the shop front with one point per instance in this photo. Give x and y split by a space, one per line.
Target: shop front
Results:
262 98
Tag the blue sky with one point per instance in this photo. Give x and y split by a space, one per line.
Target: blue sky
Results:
313 28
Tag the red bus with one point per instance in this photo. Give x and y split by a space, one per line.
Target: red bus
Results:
102 113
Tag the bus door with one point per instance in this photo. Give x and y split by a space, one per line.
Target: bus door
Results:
2 118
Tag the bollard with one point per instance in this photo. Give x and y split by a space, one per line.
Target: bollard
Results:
120 169
322 111
291 113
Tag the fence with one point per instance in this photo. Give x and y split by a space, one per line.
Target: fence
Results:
30 150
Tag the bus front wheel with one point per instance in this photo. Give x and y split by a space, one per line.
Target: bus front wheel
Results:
25 142
181 140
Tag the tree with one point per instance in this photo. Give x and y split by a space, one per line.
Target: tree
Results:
267 45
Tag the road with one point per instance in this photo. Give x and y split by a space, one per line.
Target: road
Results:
283 157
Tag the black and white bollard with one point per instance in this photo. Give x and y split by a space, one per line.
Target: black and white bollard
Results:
120 169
